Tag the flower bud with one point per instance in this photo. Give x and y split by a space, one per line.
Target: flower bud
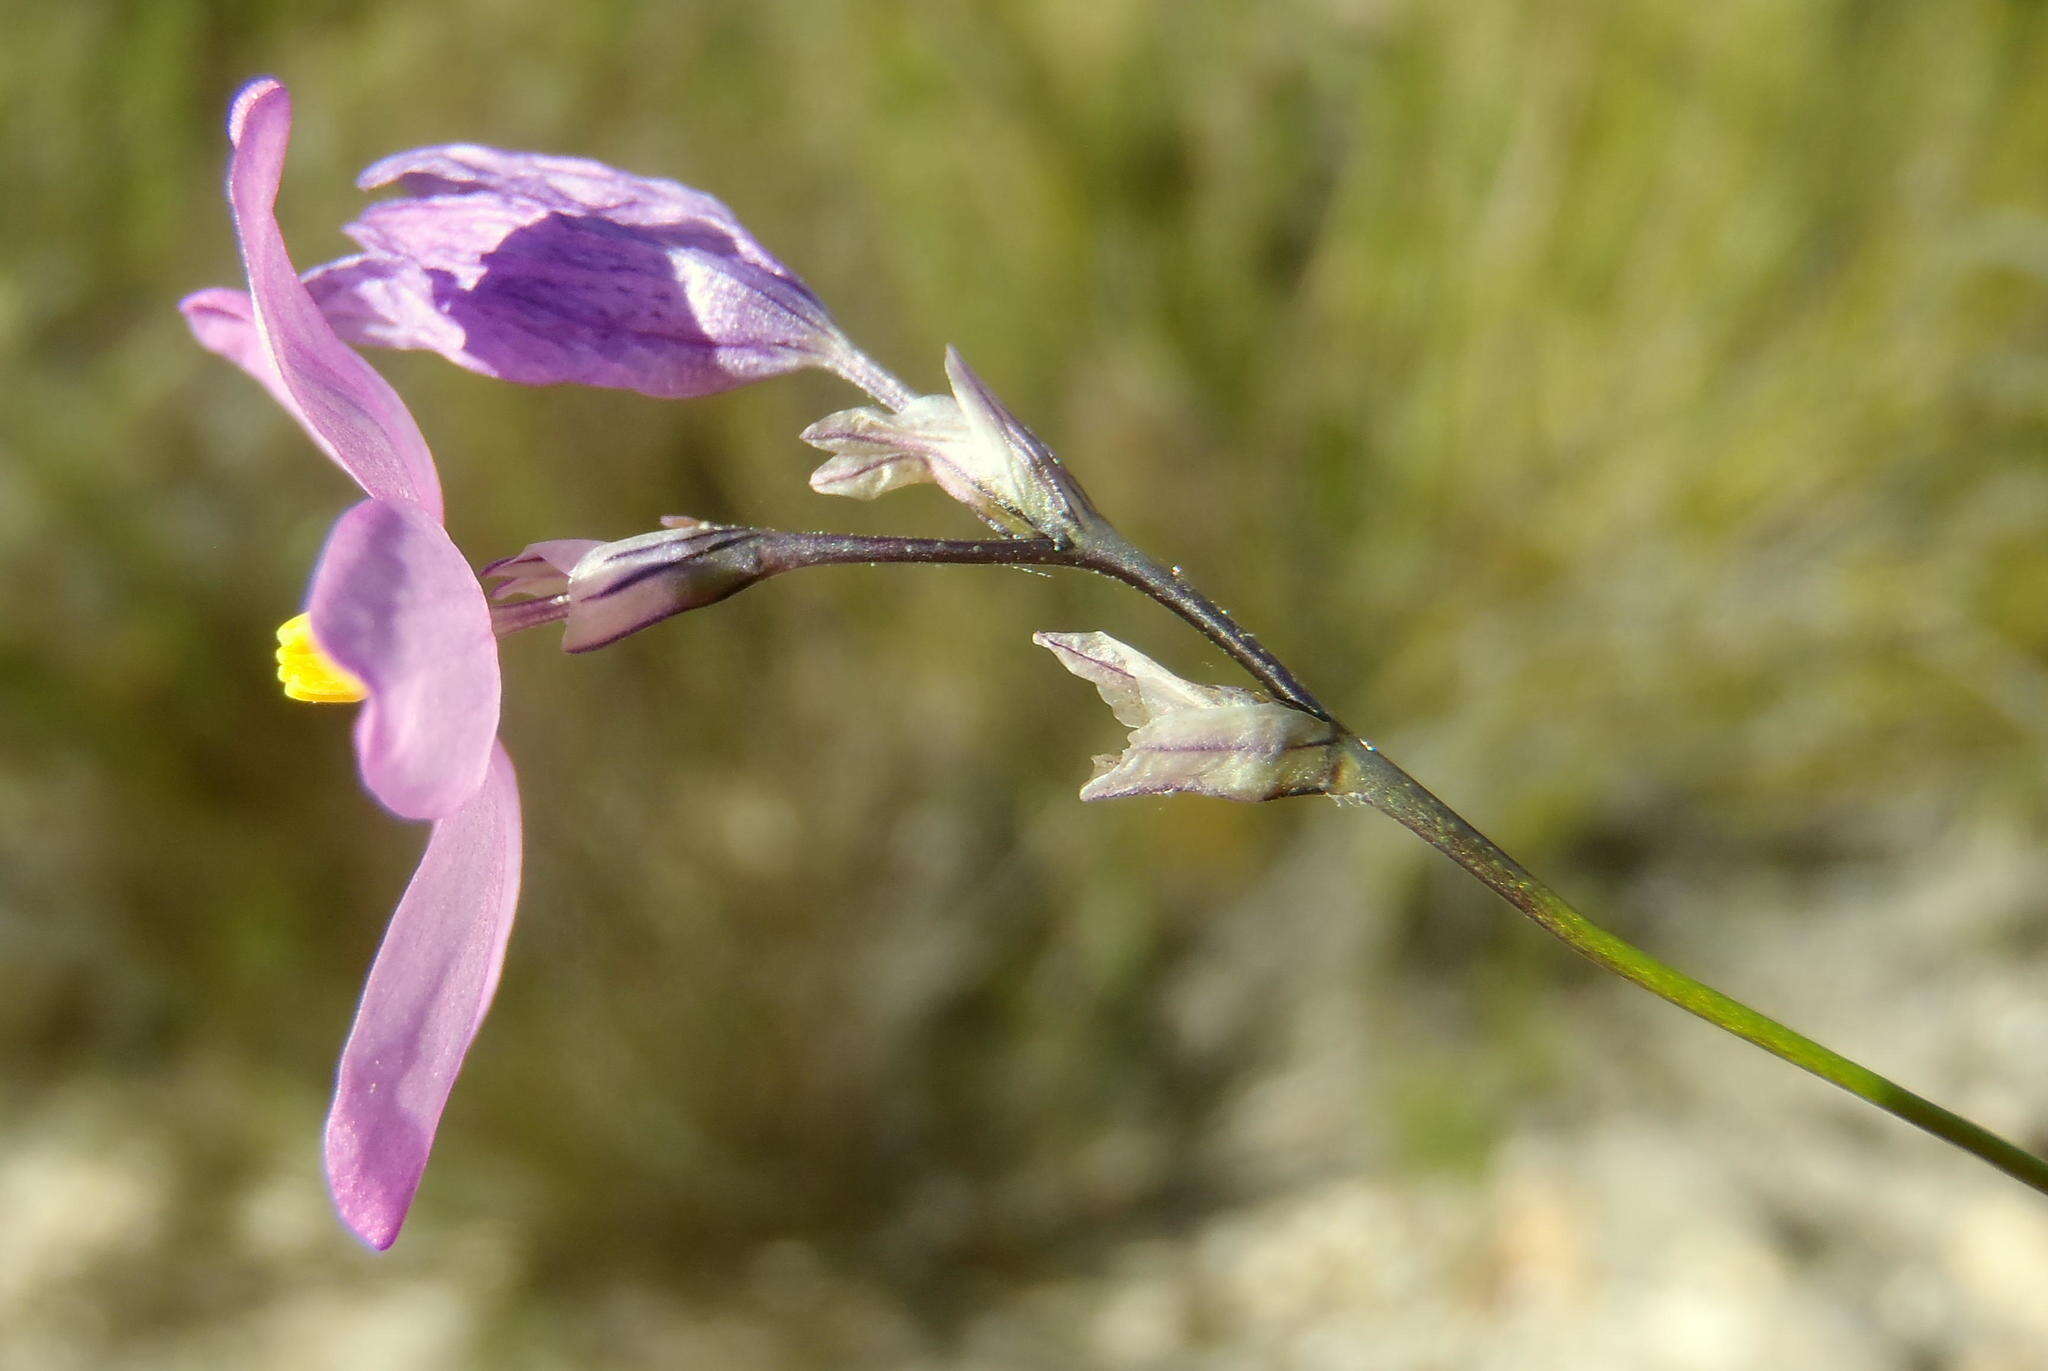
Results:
550 269
967 444
1223 741
610 590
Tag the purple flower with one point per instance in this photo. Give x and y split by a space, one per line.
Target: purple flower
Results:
395 617
547 269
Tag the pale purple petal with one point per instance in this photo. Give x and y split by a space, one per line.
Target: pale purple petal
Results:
224 322
450 234
352 412
541 569
880 450
427 993
966 443
394 603
568 185
382 302
1191 739
543 298
556 269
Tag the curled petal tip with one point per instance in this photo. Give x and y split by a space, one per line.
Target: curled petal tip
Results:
249 96
350 411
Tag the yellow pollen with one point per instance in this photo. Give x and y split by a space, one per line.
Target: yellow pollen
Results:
310 674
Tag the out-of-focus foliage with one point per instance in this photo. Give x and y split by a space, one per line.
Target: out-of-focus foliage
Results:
1633 413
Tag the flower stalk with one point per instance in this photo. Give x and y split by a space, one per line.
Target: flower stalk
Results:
544 270
1398 795
1376 780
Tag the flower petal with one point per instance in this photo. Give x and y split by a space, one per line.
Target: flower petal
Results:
568 185
224 321
428 989
350 410
523 293
543 270
879 450
382 302
394 603
541 569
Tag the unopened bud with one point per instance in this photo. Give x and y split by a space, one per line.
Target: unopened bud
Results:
966 443
1189 739
612 589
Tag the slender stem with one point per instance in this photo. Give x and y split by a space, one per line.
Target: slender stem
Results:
1105 550
789 551
1400 796
857 368
1407 801
1395 793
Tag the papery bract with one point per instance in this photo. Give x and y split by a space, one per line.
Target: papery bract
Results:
968 444
1189 739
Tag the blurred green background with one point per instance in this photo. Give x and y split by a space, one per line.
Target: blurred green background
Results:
1632 413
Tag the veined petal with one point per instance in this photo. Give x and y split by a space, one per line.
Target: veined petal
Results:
566 185
351 411
224 321
540 297
394 603
541 569
879 450
427 993
544 270
382 302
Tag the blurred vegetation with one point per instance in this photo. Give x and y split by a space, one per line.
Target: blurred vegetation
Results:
1631 412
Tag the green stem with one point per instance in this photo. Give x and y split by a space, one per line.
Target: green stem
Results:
1406 800
1400 796
1403 798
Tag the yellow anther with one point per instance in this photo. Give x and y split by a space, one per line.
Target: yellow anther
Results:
310 674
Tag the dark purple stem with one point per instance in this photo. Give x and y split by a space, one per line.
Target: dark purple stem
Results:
1102 551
